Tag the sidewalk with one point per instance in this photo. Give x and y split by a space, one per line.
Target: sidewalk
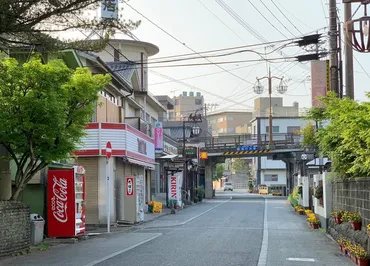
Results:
292 242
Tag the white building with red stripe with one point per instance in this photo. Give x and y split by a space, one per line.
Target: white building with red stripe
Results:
125 117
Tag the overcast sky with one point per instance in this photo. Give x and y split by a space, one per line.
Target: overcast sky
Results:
205 25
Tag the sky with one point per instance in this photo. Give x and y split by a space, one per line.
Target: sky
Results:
203 25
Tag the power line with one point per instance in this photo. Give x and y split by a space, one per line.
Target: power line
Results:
173 37
286 17
303 23
237 35
268 9
204 75
266 18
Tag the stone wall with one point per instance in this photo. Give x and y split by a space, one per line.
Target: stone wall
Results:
15 229
353 196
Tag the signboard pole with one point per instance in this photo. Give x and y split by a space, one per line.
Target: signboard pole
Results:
108 154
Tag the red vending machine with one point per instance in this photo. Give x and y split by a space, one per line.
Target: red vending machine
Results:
66 202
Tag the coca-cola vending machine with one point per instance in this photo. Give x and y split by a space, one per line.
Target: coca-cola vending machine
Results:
66 202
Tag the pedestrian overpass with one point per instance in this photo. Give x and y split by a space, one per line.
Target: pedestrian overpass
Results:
284 146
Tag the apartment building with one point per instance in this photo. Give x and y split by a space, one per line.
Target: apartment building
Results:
185 104
125 117
228 122
262 107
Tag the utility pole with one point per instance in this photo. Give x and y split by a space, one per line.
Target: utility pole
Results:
259 89
348 53
333 35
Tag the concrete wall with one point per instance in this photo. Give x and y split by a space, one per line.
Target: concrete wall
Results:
15 229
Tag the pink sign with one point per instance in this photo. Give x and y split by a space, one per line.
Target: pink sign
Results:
158 137
319 80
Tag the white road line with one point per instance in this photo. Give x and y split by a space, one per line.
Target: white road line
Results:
301 259
95 262
262 260
195 217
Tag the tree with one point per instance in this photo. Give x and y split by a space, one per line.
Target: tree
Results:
240 165
220 169
39 22
309 136
346 138
44 110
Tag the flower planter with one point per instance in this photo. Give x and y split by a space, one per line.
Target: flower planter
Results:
338 220
362 261
315 226
356 225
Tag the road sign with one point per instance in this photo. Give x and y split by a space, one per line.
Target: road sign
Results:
108 150
203 155
247 148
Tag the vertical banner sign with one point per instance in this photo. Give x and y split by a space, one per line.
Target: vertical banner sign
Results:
158 137
328 75
129 186
109 9
173 188
318 80
108 154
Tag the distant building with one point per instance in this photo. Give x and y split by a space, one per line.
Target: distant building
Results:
185 104
228 122
262 107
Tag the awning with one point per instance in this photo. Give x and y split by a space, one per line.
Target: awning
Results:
169 156
150 166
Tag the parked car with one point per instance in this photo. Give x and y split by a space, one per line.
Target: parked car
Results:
228 186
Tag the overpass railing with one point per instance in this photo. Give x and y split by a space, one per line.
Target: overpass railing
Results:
229 142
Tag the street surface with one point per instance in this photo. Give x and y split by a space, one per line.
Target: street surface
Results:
230 230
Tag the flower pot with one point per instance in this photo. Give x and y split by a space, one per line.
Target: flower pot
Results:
302 213
338 220
362 261
356 225
315 226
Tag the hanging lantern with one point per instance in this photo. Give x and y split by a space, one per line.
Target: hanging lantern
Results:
282 88
258 88
357 31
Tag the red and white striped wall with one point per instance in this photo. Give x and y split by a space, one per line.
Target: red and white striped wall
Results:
125 140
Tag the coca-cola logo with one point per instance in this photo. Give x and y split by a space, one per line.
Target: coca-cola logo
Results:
59 199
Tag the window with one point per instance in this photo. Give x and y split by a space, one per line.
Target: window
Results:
271 178
176 101
198 101
293 129
220 119
214 132
275 129
171 115
109 96
231 130
220 130
229 118
116 55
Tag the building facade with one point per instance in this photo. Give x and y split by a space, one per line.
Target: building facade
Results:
125 117
185 104
273 172
262 107
228 122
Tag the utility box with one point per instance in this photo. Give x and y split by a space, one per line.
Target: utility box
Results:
37 229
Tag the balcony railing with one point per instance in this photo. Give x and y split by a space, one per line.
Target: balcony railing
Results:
140 125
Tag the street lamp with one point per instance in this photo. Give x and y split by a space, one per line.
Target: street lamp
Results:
195 132
281 88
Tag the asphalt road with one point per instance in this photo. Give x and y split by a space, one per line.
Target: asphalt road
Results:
230 234
236 228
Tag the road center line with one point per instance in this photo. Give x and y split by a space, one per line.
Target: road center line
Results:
262 260
195 217
95 262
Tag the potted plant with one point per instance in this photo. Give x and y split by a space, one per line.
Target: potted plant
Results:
361 255
337 215
200 193
319 193
314 221
355 220
341 243
196 199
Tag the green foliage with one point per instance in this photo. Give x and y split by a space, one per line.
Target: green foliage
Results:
346 139
35 22
200 192
309 136
220 169
241 166
44 110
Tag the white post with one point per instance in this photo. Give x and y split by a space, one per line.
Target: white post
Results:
108 195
